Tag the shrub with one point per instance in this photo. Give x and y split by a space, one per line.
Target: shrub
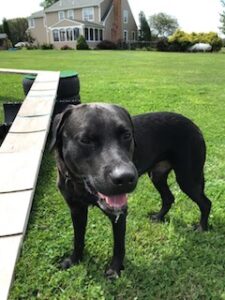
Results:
31 47
47 46
7 44
66 47
82 44
181 41
162 44
106 45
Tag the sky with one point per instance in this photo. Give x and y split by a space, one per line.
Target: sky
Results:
192 15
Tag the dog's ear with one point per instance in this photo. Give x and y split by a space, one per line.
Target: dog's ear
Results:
57 126
132 125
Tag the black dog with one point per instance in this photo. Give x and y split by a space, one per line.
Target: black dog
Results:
101 151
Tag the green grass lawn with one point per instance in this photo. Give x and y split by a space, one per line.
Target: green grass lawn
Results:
163 261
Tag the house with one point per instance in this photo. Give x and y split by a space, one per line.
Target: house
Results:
3 41
63 22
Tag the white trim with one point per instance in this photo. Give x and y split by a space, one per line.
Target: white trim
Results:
65 29
99 13
94 38
73 21
109 12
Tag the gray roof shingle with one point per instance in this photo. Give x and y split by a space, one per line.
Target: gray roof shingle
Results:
37 14
72 4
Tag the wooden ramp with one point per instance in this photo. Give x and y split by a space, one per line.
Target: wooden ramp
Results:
20 158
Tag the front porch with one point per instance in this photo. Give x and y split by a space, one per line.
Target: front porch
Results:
66 33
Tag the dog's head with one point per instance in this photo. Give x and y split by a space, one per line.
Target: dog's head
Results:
96 143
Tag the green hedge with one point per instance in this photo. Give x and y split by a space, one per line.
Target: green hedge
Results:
181 41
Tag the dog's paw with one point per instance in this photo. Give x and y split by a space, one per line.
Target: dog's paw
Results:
155 217
112 274
200 228
69 262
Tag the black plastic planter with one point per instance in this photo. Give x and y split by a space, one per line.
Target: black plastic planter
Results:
10 111
68 89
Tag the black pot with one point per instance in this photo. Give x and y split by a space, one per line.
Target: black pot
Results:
10 111
68 88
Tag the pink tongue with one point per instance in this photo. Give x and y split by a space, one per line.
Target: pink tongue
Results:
117 201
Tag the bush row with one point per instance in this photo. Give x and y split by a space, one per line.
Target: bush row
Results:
182 41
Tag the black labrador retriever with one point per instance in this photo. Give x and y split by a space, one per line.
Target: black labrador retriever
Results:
101 151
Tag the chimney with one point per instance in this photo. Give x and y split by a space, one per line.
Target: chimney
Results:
117 25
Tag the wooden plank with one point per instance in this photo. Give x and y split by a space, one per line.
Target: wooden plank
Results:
43 93
44 86
15 142
29 125
9 252
22 71
19 171
18 71
37 106
20 159
14 212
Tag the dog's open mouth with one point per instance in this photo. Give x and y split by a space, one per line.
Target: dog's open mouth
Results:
113 204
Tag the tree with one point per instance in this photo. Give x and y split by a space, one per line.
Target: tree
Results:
47 3
15 29
145 31
163 25
5 26
222 18
18 28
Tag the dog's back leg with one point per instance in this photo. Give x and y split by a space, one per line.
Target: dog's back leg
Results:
193 186
159 175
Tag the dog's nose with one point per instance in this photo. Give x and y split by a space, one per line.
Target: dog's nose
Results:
122 176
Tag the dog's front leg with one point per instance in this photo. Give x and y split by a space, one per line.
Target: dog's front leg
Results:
79 219
119 231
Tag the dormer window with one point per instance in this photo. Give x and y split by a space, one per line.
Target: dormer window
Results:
88 14
70 14
61 15
125 16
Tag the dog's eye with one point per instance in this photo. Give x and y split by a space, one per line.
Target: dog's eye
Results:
127 135
85 141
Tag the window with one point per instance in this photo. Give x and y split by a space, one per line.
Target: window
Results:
125 16
61 15
133 36
55 35
62 33
70 14
31 23
69 34
88 14
100 35
96 34
91 34
76 33
86 34
125 35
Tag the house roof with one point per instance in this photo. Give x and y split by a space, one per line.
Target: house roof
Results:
71 4
67 23
3 36
37 14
